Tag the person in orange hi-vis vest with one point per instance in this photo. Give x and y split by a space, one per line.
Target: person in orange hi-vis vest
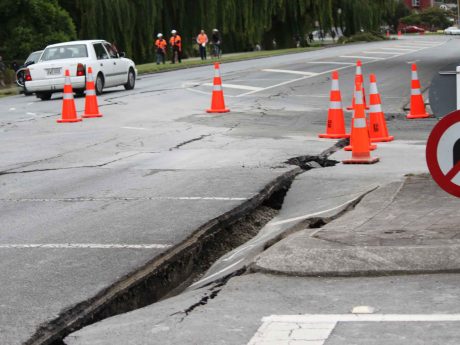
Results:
202 40
161 45
176 45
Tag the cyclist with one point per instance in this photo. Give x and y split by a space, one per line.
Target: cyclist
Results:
216 42
176 45
161 44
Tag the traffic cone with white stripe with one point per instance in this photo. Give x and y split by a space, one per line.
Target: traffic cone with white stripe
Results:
360 134
91 106
217 102
69 111
359 79
378 130
417 104
358 113
335 127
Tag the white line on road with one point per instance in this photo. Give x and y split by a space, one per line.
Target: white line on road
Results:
289 71
316 329
386 53
361 57
239 87
331 62
84 246
401 49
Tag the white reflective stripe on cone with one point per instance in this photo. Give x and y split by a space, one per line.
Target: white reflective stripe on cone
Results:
359 71
376 108
335 85
217 87
216 73
415 92
359 97
90 92
67 80
373 89
67 96
414 75
359 123
335 105
89 77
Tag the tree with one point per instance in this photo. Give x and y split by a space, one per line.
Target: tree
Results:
433 18
29 25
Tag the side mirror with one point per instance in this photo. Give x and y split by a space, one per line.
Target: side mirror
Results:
122 54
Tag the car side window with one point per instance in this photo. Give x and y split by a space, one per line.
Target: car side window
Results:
101 54
112 52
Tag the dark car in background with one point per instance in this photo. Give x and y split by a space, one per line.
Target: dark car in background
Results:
31 59
412 29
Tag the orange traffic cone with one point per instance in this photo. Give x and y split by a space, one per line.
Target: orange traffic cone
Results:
378 130
399 33
417 104
388 34
360 134
335 128
359 113
69 112
358 79
91 106
217 103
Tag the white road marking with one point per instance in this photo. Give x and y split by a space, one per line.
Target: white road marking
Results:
331 62
361 57
84 246
136 128
12 109
313 329
239 87
120 198
33 114
215 274
401 49
386 53
289 71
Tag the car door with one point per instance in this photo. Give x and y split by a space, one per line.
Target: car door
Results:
105 64
120 72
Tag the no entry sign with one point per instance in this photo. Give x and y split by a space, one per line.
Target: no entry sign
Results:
443 153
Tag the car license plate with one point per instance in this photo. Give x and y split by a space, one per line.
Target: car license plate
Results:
54 71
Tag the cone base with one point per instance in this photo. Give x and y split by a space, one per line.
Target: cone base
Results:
369 160
418 116
68 120
89 116
334 136
350 148
351 107
219 111
382 139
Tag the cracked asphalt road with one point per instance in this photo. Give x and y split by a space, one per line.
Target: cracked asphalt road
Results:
156 167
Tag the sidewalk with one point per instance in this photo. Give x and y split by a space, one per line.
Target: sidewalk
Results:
391 219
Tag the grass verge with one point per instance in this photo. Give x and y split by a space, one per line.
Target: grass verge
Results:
9 91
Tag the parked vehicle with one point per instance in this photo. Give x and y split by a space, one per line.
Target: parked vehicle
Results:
413 30
31 59
109 68
453 30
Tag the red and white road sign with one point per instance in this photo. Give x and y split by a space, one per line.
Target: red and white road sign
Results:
443 153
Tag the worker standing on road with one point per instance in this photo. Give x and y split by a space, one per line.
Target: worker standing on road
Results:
160 45
176 45
202 40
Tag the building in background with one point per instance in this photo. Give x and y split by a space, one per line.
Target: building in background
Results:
419 4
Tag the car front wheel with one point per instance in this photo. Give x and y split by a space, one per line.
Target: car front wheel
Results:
99 84
131 80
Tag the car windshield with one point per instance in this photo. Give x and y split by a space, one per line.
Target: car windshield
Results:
34 56
65 52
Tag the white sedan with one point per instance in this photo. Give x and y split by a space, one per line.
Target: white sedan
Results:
109 68
453 30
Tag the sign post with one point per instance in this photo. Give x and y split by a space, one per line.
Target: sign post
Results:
443 153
